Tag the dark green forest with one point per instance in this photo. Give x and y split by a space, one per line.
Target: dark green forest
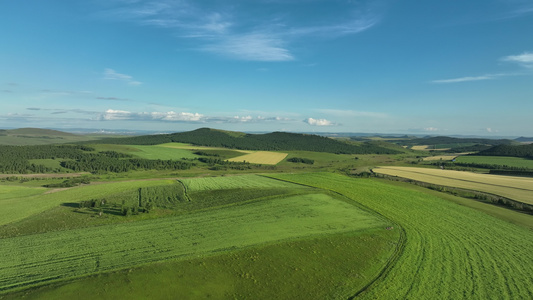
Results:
525 151
275 141
79 158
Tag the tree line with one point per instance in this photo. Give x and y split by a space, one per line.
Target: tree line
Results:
275 141
79 158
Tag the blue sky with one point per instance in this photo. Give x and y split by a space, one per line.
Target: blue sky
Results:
386 66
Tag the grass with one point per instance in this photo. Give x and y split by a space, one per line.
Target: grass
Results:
27 139
9 192
18 208
516 188
232 182
161 152
439 157
261 157
450 251
50 163
503 213
329 267
497 160
66 254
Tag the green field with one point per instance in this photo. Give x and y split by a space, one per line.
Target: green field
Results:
497 160
329 267
161 152
449 251
232 182
18 208
66 254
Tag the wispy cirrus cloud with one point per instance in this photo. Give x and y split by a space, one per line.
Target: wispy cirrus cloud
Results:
469 78
525 59
113 98
230 31
110 74
352 113
253 47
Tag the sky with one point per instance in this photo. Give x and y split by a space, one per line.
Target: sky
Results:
378 66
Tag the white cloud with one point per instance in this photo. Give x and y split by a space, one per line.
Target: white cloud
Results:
253 47
110 74
468 78
112 115
318 122
431 129
525 59
172 116
230 31
352 113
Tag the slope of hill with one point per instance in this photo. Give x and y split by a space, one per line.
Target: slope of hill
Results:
275 141
440 140
38 136
509 150
37 132
524 139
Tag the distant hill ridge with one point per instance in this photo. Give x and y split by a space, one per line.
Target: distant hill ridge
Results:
275 141
525 151
452 140
36 131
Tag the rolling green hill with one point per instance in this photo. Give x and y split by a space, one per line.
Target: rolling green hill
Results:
275 141
510 150
38 136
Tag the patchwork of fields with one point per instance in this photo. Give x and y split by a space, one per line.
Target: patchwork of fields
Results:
516 188
304 235
58 255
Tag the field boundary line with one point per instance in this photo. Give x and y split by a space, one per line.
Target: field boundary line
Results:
527 210
400 246
464 180
185 192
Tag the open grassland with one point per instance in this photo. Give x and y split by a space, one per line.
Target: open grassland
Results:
497 160
194 147
28 139
450 251
431 147
59 255
9 192
18 208
330 267
261 157
516 188
232 182
160 152
516 217
439 157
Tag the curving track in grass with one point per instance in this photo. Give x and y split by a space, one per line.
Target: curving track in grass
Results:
450 251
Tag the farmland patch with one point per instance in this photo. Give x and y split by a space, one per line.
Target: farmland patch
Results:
233 182
261 157
516 188
517 162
